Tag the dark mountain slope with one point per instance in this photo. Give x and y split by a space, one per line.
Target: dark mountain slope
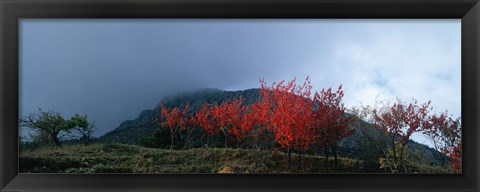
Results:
132 131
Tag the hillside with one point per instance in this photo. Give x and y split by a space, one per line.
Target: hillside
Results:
122 158
133 131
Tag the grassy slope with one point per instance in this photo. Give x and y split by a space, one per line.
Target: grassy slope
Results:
121 158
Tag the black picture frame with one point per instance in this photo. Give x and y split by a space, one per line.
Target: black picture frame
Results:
13 10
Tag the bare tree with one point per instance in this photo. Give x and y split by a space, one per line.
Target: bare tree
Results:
371 144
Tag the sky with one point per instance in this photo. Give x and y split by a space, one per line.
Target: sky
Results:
112 69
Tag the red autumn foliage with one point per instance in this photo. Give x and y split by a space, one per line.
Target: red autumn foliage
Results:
445 133
256 119
204 120
297 120
251 118
227 117
415 117
329 118
400 121
173 119
456 159
330 123
251 124
290 114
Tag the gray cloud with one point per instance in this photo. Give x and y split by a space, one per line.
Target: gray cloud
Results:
111 70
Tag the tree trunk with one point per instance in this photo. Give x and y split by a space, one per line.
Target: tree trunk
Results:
207 139
385 152
225 138
289 159
326 158
171 142
299 161
334 151
394 151
401 156
172 135
55 139
86 140
443 159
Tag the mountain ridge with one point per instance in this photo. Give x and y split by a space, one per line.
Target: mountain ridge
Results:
145 124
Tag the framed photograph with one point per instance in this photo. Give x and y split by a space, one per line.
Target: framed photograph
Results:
239 95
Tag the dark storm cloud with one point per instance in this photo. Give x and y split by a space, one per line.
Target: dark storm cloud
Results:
111 70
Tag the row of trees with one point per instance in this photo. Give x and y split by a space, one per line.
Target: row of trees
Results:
49 127
300 120
295 118
399 120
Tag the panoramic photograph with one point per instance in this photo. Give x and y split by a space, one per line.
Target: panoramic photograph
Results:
240 96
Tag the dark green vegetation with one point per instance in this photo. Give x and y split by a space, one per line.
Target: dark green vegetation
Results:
140 146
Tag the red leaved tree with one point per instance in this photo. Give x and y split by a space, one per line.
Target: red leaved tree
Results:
456 158
290 115
203 119
400 121
173 119
254 125
445 134
330 122
227 118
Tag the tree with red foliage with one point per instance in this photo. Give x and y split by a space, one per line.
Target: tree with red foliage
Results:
400 121
227 117
173 119
445 134
290 114
254 125
205 121
415 117
388 119
189 133
237 119
456 159
330 122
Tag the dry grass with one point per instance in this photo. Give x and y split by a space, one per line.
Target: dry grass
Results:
120 158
